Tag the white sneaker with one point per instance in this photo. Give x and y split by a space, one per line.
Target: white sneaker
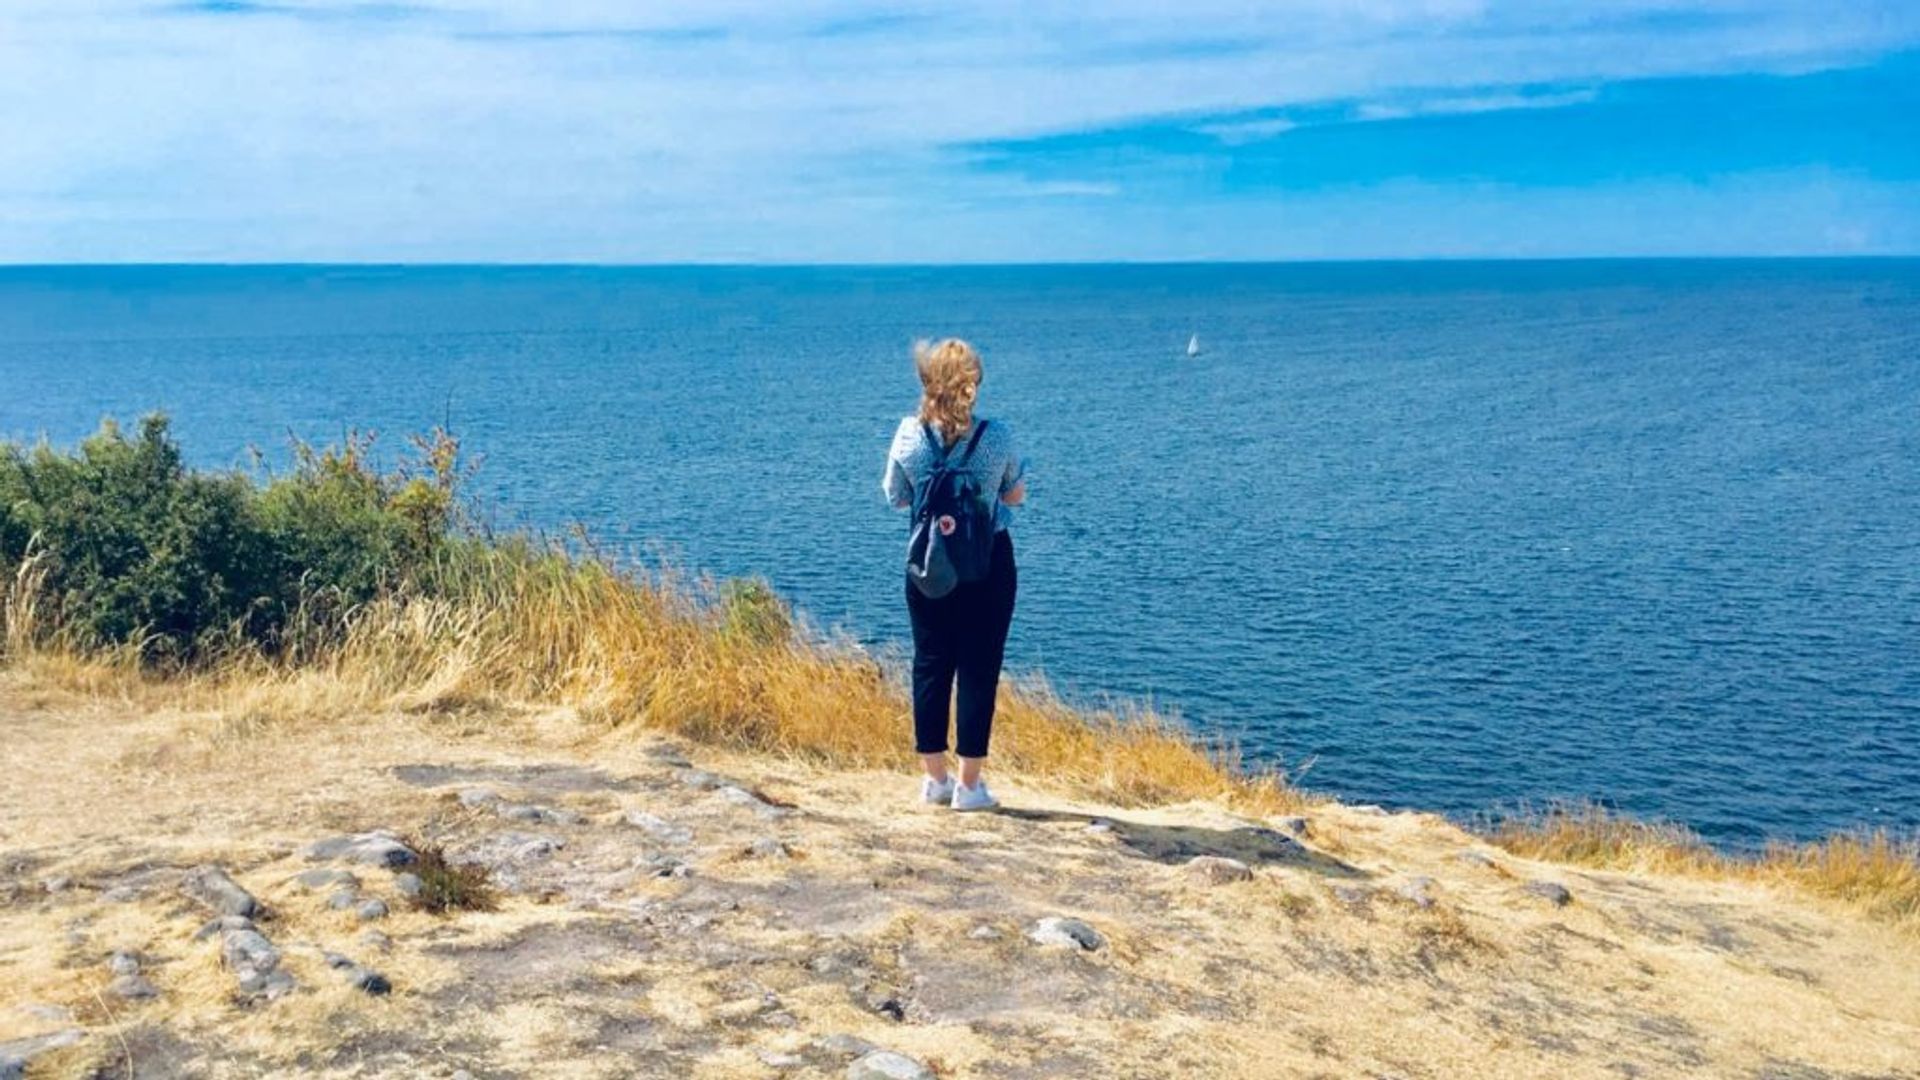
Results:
936 792
976 797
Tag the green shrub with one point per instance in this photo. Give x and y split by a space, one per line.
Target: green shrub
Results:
141 549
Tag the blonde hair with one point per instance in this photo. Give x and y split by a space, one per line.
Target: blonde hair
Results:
949 381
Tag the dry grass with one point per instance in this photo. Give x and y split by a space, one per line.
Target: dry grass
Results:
513 624
1870 871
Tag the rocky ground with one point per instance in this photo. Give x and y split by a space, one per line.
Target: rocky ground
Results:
195 894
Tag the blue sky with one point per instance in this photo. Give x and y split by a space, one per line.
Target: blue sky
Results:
801 131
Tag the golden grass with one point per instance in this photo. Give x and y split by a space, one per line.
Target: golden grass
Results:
1870 871
513 624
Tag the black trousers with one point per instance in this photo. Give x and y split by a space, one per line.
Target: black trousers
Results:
962 638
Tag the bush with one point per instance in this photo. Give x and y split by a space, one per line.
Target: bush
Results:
141 550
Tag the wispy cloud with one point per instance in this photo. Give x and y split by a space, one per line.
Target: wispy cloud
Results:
779 128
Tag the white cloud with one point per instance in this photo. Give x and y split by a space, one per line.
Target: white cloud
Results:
537 128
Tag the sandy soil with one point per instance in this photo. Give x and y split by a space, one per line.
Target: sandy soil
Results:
777 917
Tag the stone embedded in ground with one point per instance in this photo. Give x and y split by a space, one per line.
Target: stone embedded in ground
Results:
1417 891
210 886
985 932
1551 891
342 900
477 797
849 1045
221 925
1100 825
1298 827
700 779
122 894
255 963
378 848
57 1014
540 815
374 939
775 1060
1477 858
667 753
663 865
887 1065
371 909
1067 933
57 884
366 980
17 1055
132 988
249 950
123 962
740 796
323 878
1217 870
768 847
659 828
407 884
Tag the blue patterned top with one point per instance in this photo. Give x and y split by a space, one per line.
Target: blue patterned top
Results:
995 464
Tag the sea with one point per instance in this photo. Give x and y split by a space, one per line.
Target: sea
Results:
1461 536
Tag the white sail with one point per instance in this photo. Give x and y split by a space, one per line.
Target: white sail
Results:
1193 345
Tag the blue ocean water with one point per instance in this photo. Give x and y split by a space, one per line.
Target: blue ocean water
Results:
1454 534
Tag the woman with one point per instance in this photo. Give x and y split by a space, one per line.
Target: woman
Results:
962 635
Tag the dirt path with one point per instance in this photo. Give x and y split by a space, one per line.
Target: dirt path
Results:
672 911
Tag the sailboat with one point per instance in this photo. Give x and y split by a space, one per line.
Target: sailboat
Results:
1193 345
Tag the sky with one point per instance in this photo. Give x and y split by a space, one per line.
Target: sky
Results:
784 131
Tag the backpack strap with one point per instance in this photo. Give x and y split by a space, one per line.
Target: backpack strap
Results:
978 429
947 454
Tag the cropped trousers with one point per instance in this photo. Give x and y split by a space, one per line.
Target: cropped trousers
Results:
961 638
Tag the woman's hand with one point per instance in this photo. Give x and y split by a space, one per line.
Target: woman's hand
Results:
1017 496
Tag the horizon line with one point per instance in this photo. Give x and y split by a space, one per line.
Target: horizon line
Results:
434 264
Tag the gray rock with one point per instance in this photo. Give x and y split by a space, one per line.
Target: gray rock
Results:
1100 825
379 848
374 939
271 985
249 951
985 932
740 796
324 878
460 1074
371 909
539 815
768 847
122 894
57 884
1551 891
123 962
407 884
16 1055
850 1045
343 900
133 988
887 1065
1067 933
1216 870
1417 891
478 797
367 980
774 1060
336 961
215 927
211 887
659 828
663 865
1477 858
700 779
1297 827
57 1014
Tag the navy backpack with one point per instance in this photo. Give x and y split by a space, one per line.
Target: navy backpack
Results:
950 541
